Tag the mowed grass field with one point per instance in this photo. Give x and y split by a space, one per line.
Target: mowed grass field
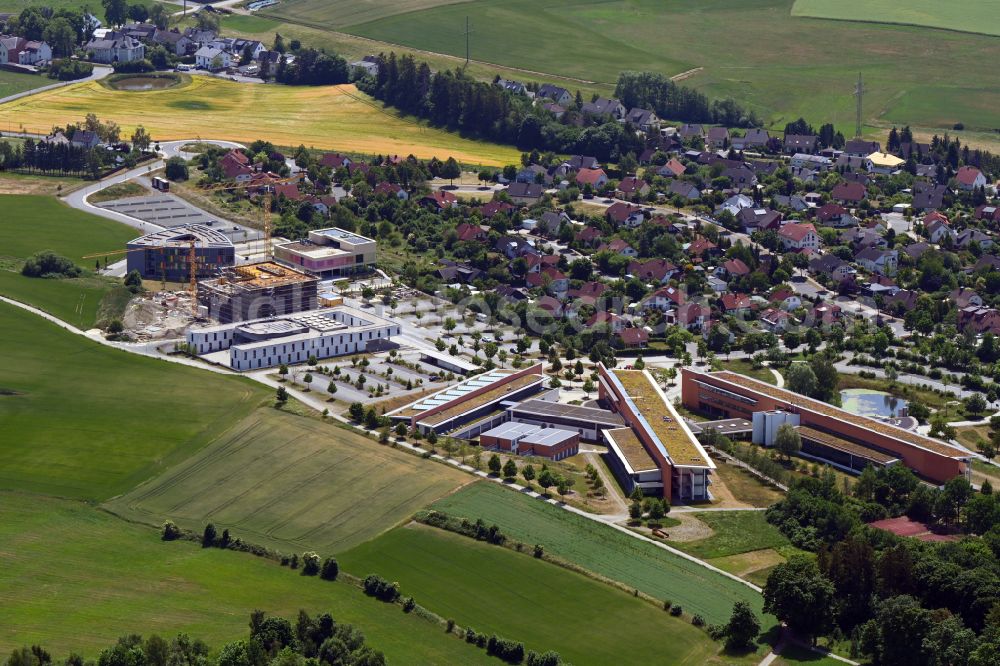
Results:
914 75
75 578
496 590
979 16
81 420
30 224
12 83
293 484
602 550
329 117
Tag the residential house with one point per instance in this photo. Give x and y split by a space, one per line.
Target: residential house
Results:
774 320
849 193
367 66
718 137
877 260
702 247
937 228
174 41
652 270
140 31
451 272
915 250
558 95
526 194
533 173
963 297
603 318
831 266
471 232
236 166
334 161
589 236
795 236
596 178
969 236
758 219
883 163
979 319
631 186
969 178
212 59
633 338
735 204
20 51
671 169
85 139
735 304
602 106
555 109
513 247
810 162
551 305
800 143
753 138
577 162
491 208
691 131
551 222
515 87
619 246
835 215
928 196
794 202
690 315
391 190
439 200
987 262
624 214
644 119
115 47
987 213
741 177
861 148
665 299
735 268
785 298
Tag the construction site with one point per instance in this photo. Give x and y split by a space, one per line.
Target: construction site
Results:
255 291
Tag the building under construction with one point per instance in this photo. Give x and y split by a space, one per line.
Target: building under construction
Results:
256 291
166 255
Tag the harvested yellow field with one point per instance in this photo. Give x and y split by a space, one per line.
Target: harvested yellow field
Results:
328 117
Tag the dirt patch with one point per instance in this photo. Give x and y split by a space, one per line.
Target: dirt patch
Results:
159 315
745 564
690 529
686 75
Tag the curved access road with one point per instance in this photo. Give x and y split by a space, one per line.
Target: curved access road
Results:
99 73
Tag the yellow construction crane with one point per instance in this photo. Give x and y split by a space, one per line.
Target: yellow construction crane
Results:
192 269
268 186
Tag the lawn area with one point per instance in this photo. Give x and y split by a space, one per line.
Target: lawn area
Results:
326 117
293 484
602 550
89 422
102 577
930 398
118 191
493 589
979 16
34 223
745 367
18 183
746 487
12 83
812 75
735 532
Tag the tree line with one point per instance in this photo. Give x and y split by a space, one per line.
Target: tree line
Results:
46 157
650 90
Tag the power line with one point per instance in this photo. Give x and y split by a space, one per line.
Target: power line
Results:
859 92
468 31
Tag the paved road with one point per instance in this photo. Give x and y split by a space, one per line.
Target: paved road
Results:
99 73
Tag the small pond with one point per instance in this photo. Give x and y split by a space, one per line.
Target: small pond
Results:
138 83
877 404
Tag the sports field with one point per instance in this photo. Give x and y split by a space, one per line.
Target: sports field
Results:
494 589
979 16
85 421
75 578
601 549
30 224
811 73
330 117
293 484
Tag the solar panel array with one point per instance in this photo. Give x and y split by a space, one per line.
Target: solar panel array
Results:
458 391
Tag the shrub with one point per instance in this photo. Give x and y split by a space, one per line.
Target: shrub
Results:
208 536
676 611
330 569
48 264
176 169
698 621
451 626
134 67
667 604
70 70
380 588
310 564
538 551
171 532
505 649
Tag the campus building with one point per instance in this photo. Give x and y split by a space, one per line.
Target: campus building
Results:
828 433
587 422
257 291
656 450
331 252
265 343
525 439
473 406
166 255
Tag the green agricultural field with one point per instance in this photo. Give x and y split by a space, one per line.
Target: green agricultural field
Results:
12 83
602 550
75 578
324 117
979 16
34 223
735 532
812 74
85 421
496 590
293 484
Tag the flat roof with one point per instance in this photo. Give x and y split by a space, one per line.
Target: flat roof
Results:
627 444
722 426
336 233
905 436
510 430
840 444
312 250
537 407
180 237
666 425
301 325
548 436
457 361
260 275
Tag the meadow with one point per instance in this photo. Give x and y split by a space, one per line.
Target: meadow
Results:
812 73
85 421
735 532
12 83
493 589
324 117
34 223
978 16
602 550
293 484
76 578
